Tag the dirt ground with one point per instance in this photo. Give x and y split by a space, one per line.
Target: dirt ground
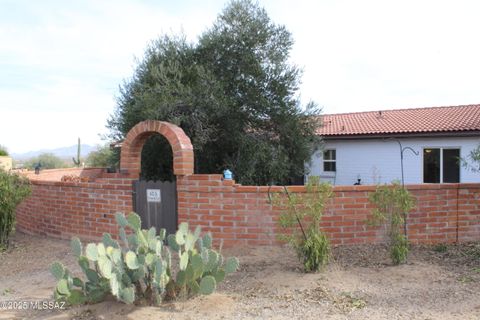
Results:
441 282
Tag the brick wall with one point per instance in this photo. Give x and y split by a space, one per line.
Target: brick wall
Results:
63 209
242 214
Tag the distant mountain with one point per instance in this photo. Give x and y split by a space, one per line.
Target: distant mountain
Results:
64 153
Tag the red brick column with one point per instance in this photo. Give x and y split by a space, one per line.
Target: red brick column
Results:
130 157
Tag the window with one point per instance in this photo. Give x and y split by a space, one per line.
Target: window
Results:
441 165
329 160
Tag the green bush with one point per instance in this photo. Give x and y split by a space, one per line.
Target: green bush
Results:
315 250
3 151
393 202
47 161
301 223
103 157
13 189
141 269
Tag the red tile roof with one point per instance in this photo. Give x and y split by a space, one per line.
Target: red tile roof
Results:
418 120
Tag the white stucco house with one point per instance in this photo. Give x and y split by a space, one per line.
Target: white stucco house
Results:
367 146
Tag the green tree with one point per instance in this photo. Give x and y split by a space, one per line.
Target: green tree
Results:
46 161
234 93
103 157
167 86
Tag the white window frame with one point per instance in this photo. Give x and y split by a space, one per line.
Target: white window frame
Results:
329 160
441 163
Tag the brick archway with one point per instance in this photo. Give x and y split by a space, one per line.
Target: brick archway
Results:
131 154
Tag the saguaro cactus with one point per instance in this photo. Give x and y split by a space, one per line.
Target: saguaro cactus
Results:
77 160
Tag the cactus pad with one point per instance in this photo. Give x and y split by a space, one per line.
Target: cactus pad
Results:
92 252
180 238
132 241
76 297
108 241
105 266
76 246
183 228
181 278
117 256
115 286
207 240
172 242
197 265
127 295
121 220
131 260
207 285
162 233
190 240
184 260
158 247
92 275
151 234
134 221
212 260
83 263
150 259
62 287
58 270
231 265
219 275
101 250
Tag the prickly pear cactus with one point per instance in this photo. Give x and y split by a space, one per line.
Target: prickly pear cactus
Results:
139 267
200 267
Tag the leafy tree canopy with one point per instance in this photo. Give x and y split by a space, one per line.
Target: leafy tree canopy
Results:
103 157
234 93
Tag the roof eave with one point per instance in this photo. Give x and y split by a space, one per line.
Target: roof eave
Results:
438 134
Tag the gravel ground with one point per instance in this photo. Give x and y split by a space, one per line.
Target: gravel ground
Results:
440 282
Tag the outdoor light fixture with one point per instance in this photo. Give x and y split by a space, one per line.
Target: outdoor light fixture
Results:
227 174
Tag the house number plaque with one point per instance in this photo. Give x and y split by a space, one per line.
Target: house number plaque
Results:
154 195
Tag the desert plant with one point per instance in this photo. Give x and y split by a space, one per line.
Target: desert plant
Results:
76 161
142 268
13 189
301 222
393 202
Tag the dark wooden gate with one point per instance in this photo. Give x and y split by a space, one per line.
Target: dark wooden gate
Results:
156 203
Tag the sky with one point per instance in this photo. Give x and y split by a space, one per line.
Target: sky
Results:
61 62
